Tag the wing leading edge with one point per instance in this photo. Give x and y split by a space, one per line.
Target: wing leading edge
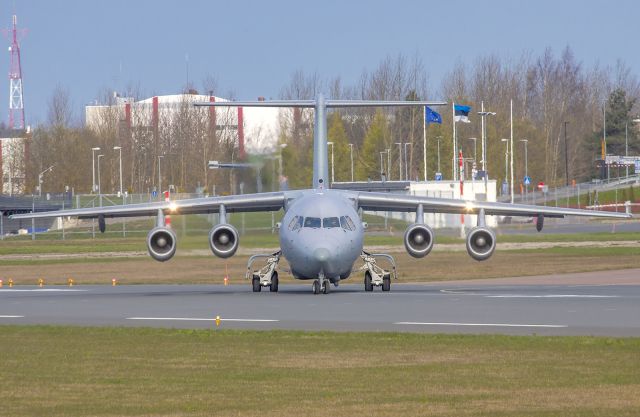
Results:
397 202
234 203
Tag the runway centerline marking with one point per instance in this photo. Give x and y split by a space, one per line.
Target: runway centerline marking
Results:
202 319
5 316
415 323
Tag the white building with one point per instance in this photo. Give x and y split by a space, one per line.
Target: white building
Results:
257 128
14 147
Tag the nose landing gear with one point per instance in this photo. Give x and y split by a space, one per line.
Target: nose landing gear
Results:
321 285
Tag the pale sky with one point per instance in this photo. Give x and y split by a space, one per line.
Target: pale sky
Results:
253 47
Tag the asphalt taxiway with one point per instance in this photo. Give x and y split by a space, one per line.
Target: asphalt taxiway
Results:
539 305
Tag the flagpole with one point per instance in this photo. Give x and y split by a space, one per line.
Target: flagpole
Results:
511 151
453 112
424 142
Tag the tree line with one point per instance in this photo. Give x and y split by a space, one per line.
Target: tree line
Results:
550 93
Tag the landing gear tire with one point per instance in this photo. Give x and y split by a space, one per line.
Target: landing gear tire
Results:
326 288
386 282
368 285
256 284
274 282
316 287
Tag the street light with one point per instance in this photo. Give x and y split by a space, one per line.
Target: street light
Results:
399 159
381 165
332 166
99 187
389 164
93 169
506 159
159 175
351 153
566 155
526 168
40 175
483 114
438 139
406 165
119 148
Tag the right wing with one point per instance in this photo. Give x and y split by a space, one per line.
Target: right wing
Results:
232 203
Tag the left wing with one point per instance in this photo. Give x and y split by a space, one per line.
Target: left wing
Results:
233 203
398 202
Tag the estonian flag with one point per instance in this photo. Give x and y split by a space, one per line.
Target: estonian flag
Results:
432 116
461 113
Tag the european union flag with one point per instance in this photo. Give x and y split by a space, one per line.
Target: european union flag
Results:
432 116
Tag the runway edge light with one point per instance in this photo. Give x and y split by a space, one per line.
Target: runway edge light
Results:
1 283
114 282
217 321
70 281
10 283
41 282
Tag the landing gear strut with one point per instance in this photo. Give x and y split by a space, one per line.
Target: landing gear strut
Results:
321 285
267 276
374 275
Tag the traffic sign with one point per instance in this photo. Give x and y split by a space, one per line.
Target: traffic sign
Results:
527 180
154 193
438 176
541 185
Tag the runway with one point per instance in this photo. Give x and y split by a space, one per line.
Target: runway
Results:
505 306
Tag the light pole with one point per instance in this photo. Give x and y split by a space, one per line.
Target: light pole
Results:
40 176
93 169
506 159
438 139
475 148
99 186
381 165
280 173
406 165
566 155
526 168
119 148
399 159
351 154
159 175
389 164
483 114
332 166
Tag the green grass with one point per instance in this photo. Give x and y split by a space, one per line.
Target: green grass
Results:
631 193
73 371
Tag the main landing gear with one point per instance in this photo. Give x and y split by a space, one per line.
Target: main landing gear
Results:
267 276
374 275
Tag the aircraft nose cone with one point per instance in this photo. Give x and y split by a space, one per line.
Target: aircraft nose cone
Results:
321 254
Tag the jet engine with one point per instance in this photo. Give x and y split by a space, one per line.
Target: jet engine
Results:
418 240
161 243
223 240
481 242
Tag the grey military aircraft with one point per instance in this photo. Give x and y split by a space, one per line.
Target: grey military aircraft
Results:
321 233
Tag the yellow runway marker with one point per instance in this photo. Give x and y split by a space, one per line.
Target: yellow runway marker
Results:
218 321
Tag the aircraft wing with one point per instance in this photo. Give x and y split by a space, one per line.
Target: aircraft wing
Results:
398 202
233 203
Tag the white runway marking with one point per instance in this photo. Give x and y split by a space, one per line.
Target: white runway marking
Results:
10 317
551 296
481 324
202 319
8 290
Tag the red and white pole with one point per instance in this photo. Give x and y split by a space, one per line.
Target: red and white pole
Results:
461 167
167 218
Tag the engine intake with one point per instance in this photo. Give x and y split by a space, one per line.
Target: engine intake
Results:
161 243
418 240
223 240
481 242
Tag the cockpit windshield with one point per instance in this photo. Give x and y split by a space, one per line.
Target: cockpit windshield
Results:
329 222
312 222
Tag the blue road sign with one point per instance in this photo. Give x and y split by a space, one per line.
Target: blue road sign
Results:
154 193
438 176
527 180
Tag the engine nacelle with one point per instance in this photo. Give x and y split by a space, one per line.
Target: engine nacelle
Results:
224 240
418 240
161 243
481 242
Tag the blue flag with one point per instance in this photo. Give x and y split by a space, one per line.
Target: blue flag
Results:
461 113
432 116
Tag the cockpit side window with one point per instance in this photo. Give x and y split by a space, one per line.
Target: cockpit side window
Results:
343 223
295 223
329 222
350 222
312 222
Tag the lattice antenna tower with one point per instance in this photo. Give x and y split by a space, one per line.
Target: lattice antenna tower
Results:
16 100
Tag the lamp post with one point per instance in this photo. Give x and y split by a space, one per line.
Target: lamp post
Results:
506 158
406 165
119 149
332 166
399 159
566 155
99 186
389 164
351 155
483 114
382 165
93 169
526 167
159 175
40 176
438 139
